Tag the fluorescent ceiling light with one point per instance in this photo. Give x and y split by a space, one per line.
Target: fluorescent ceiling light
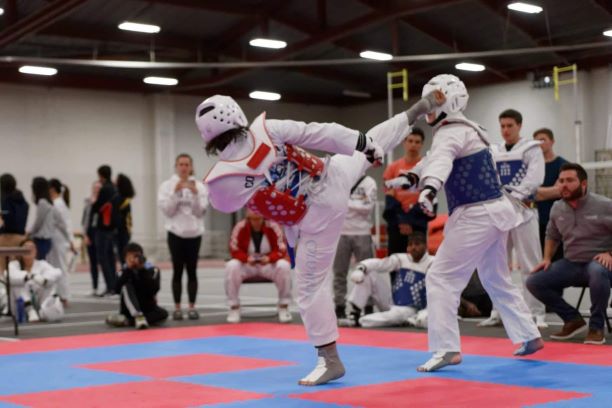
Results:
30 69
525 8
160 81
266 96
466 66
608 33
141 28
379 56
1 11
267 43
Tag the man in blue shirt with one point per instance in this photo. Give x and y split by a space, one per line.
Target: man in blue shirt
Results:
548 192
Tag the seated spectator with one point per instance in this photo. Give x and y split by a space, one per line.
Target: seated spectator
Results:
404 299
258 249
138 286
35 281
583 222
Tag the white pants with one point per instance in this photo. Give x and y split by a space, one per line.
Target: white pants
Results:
58 257
319 232
526 243
278 272
374 285
395 316
472 240
378 287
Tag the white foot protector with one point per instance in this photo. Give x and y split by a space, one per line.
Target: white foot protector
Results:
329 367
440 359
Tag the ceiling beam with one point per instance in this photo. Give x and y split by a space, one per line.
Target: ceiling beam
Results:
436 34
332 34
604 5
35 22
497 8
225 7
104 34
10 12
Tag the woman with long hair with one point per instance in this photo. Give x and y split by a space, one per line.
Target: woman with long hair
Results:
183 201
60 247
125 194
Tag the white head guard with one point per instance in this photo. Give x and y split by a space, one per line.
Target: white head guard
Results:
455 92
218 114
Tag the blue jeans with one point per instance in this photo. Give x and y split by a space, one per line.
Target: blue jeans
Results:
547 286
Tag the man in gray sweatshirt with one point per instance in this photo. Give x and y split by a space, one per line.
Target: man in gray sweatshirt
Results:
583 222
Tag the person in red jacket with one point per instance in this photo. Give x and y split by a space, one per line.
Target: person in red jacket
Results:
258 249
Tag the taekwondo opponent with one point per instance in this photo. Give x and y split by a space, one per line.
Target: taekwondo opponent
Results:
520 164
475 235
263 166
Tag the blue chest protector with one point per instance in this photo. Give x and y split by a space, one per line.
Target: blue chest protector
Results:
511 172
473 179
408 288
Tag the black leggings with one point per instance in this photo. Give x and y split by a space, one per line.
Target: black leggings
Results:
184 253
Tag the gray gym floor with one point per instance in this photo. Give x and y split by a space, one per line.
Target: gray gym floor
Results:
86 314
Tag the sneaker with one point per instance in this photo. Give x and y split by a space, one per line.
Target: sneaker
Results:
570 329
233 316
540 321
491 321
140 322
284 315
328 368
33 315
595 336
117 320
193 314
177 315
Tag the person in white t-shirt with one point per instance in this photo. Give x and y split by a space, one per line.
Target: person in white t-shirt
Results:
183 200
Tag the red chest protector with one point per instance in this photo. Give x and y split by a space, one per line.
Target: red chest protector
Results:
277 202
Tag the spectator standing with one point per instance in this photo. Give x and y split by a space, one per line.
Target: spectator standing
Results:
183 200
88 223
126 193
582 221
48 221
258 249
356 237
401 214
105 210
60 247
549 192
13 214
520 164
